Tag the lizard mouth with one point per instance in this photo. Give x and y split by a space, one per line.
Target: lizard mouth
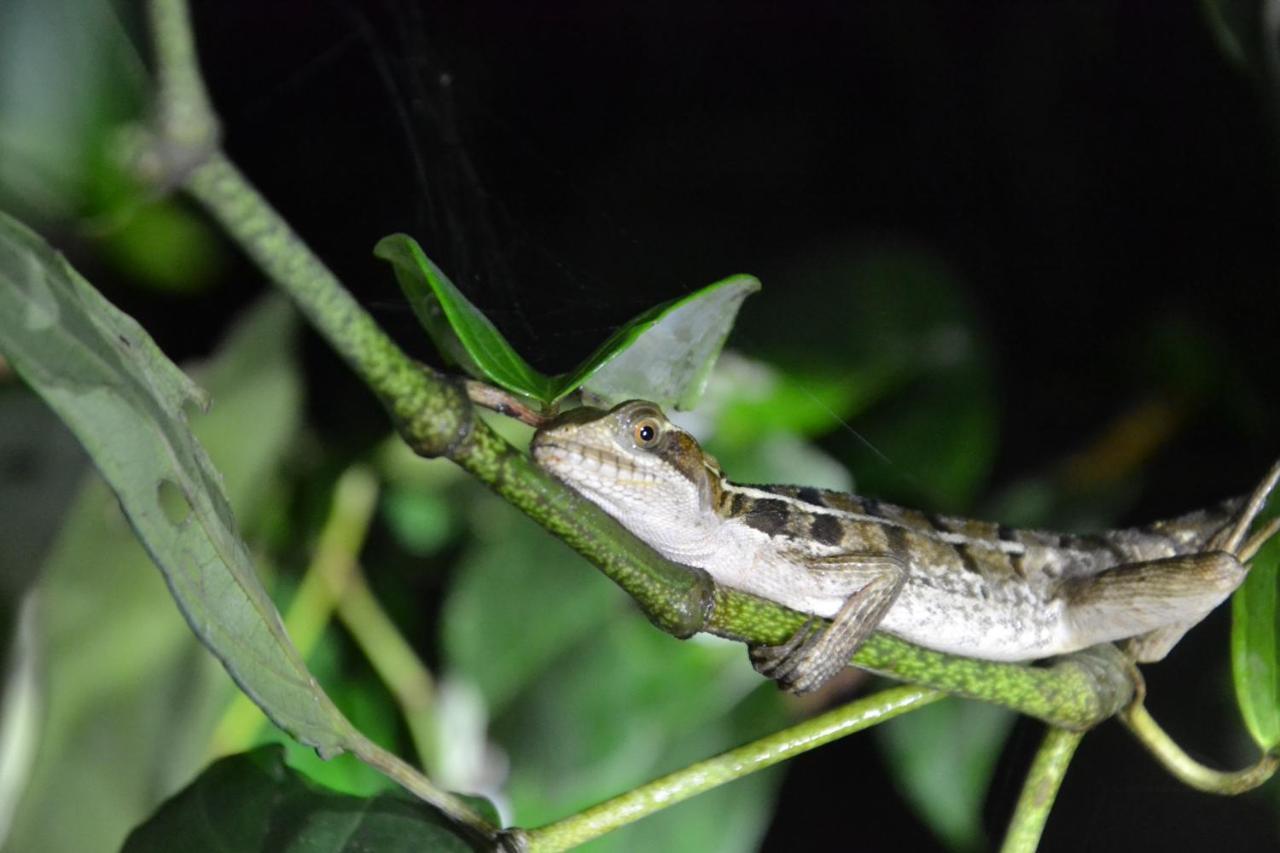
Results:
575 462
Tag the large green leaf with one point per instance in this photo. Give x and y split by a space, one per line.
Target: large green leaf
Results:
130 697
125 401
253 801
665 354
1255 647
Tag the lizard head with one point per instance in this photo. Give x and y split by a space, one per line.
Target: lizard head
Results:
631 462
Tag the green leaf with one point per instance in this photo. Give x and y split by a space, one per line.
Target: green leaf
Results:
513 571
460 331
941 758
928 437
1237 27
124 400
595 727
166 246
130 696
665 354
253 801
1255 647
575 722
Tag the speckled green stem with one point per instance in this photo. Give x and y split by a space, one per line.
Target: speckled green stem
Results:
434 416
1186 768
734 764
1040 790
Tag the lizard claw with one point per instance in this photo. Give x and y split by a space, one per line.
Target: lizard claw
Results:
800 664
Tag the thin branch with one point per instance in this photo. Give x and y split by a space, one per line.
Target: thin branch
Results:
395 661
1186 768
1039 790
434 416
734 764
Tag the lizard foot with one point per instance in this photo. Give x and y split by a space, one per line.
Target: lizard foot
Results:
805 662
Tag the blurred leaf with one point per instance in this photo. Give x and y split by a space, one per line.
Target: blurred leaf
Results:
927 435
626 705
165 246
20 707
942 757
131 696
459 330
69 76
731 818
123 666
783 458
422 521
253 801
41 466
1255 647
108 380
592 700
664 354
747 400
1236 27
511 573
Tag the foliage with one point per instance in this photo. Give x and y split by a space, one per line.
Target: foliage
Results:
553 692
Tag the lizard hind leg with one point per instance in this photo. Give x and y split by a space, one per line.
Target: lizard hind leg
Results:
1222 572
1151 603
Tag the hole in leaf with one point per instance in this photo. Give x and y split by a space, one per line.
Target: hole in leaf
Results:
173 502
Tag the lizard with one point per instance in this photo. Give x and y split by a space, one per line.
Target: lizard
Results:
856 564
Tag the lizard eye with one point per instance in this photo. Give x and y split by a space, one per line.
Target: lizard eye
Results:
645 432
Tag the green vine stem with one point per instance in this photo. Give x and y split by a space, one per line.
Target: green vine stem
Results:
734 764
1040 790
436 419
394 660
1187 769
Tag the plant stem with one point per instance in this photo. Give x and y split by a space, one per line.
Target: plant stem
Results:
1186 768
1040 790
726 767
396 663
435 417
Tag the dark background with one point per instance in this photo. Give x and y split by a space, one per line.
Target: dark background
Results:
1090 171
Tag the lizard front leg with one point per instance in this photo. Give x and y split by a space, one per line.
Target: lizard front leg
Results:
819 650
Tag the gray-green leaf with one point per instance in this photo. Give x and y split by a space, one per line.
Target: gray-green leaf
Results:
124 400
665 354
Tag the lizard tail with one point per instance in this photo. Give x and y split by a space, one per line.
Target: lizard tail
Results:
1135 600
1224 527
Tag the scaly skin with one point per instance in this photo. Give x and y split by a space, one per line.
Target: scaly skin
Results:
960 586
